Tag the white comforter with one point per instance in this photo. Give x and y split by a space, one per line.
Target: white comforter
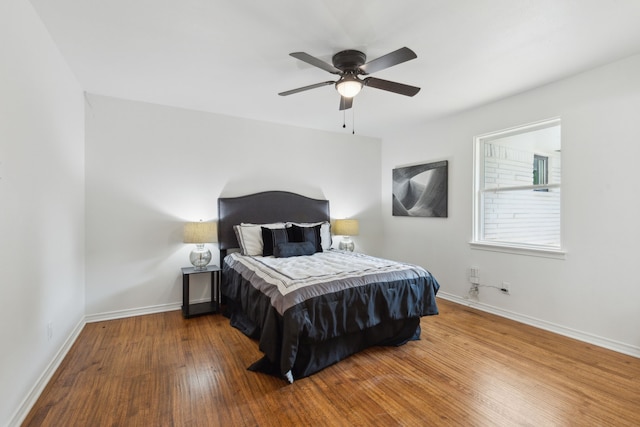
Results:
291 274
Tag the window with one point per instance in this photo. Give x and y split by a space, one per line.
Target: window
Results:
540 169
508 166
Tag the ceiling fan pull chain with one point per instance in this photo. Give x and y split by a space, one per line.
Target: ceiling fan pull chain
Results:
344 119
353 121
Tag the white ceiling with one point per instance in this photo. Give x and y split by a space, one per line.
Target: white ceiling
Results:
231 56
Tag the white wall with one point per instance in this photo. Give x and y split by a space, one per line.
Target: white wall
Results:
150 168
41 205
594 293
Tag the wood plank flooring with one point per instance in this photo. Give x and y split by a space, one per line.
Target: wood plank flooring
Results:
469 368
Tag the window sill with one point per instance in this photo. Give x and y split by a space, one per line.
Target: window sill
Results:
519 250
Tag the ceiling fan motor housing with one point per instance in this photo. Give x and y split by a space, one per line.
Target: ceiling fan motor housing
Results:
349 60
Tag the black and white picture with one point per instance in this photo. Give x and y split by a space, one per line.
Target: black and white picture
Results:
421 190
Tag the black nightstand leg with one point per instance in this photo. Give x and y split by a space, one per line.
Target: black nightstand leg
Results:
185 295
215 291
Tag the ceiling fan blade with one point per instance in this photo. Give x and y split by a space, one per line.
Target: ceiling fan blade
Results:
387 85
302 89
345 103
389 60
305 57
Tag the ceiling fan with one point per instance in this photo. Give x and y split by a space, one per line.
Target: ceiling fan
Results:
349 64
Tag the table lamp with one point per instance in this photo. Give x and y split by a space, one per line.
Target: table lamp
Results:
200 233
346 228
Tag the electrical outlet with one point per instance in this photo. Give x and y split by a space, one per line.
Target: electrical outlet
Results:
474 291
505 288
474 272
49 331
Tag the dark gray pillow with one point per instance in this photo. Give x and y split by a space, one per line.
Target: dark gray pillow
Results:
307 234
272 236
289 249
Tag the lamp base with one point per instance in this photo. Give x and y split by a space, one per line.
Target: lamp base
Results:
346 244
200 257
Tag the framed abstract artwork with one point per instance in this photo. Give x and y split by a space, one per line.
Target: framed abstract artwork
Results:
421 190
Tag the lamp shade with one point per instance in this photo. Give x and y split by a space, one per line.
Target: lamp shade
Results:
346 227
200 232
348 86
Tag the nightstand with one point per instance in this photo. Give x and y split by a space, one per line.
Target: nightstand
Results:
197 309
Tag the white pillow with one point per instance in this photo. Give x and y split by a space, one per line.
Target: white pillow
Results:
250 237
325 231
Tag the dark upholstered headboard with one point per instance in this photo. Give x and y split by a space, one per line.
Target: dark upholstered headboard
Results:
266 207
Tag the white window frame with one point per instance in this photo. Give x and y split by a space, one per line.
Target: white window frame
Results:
477 241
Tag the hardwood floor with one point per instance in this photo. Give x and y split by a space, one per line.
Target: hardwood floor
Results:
470 368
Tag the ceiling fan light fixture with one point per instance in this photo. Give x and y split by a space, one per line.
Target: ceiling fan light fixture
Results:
349 86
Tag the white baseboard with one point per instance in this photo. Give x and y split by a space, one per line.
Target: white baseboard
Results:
120 314
23 410
617 346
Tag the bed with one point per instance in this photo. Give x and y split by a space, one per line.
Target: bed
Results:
307 305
